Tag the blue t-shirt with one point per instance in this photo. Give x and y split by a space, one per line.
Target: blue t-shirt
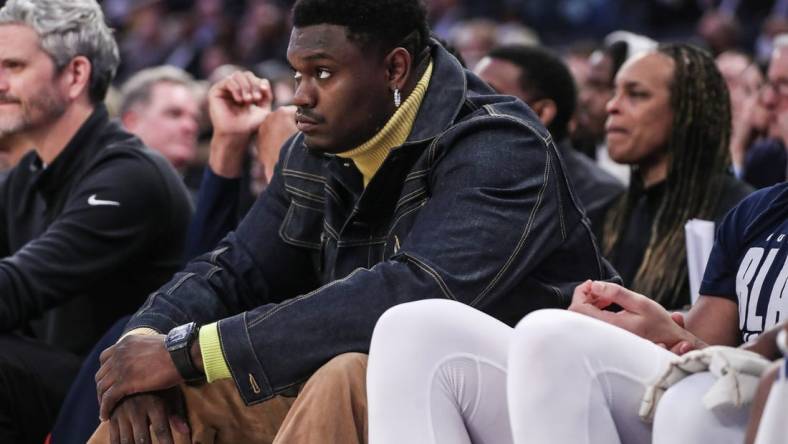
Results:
749 261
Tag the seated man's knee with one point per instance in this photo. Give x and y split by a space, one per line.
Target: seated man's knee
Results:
345 370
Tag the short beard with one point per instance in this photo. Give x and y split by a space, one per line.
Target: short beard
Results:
44 107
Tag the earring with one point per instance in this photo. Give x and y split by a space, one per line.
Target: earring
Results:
397 98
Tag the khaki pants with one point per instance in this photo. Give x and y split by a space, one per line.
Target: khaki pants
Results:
330 408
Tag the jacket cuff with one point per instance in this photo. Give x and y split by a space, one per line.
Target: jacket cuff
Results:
248 374
212 356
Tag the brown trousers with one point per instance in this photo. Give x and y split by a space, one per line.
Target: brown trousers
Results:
330 408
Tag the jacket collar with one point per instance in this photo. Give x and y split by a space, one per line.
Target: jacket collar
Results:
444 98
82 146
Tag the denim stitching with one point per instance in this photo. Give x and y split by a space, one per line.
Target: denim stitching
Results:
416 174
410 197
330 230
290 302
304 205
302 175
545 139
331 192
404 213
290 240
179 283
429 270
305 194
523 239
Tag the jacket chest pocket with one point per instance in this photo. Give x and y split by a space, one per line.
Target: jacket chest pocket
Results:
303 225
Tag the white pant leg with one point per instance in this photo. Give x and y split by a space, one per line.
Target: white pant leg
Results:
681 416
437 374
773 428
574 380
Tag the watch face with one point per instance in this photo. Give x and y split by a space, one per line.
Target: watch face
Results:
179 335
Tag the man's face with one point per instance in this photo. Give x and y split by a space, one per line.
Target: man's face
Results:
168 123
503 76
775 95
342 93
30 94
594 94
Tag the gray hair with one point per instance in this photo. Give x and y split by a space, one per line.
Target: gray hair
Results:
67 29
138 87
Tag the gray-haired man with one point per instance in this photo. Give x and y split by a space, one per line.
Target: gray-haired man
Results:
90 221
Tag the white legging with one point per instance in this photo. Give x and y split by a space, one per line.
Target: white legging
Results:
442 372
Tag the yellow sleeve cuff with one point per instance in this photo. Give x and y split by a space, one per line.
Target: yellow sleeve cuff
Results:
212 356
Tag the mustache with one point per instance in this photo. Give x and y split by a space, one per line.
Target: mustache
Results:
309 115
7 98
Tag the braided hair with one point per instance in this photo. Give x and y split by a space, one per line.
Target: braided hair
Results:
698 156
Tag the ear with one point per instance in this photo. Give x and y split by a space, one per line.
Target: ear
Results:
398 67
546 109
129 120
76 76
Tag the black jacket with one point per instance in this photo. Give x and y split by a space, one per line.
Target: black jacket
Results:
85 239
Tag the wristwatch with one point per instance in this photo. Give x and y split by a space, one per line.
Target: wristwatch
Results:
179 343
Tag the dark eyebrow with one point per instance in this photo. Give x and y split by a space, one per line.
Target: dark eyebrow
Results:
318 56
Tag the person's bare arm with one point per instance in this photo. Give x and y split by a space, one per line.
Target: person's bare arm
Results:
714 320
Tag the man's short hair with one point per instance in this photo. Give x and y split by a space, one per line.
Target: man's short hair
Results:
70 28
382 24
138 88
543 76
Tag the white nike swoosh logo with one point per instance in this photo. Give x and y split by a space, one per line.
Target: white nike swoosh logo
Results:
92 201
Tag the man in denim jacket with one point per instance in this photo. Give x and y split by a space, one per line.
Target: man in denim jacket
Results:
409 179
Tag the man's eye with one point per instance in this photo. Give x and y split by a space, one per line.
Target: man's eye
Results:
322 74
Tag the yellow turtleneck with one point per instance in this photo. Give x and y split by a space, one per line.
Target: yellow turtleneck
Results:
370 155
368 158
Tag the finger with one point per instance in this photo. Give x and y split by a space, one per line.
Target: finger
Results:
160 423
234 89
581 293
106 354
247 87
139 424
102 386
125 432
611 293
682 347
114 432
102 372
180 425
260 89
678 318
109 399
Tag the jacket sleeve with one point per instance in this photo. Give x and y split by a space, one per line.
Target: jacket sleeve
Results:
85 241
493 204
216 213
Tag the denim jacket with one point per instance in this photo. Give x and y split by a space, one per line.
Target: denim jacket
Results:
474 207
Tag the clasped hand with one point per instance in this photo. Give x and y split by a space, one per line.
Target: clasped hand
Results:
639 314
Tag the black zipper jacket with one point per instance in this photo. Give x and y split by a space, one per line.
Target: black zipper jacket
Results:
85 239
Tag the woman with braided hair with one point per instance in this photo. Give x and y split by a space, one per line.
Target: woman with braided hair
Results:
443 372
670 119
